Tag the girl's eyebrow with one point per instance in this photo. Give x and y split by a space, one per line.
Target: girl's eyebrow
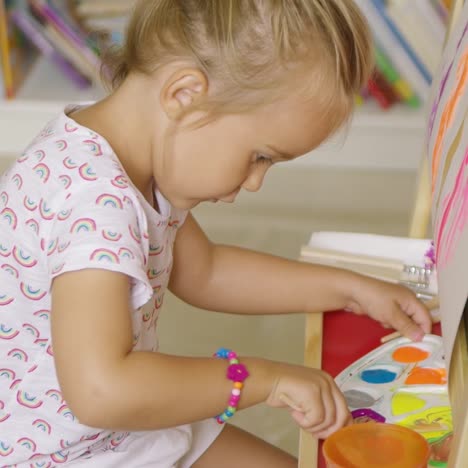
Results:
282 154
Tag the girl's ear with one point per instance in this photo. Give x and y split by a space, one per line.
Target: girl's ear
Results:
184 89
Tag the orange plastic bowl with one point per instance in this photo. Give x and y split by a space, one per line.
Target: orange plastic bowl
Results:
371 445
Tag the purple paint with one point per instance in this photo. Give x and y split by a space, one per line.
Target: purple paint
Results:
366 415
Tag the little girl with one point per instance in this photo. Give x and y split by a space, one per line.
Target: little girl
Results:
95 224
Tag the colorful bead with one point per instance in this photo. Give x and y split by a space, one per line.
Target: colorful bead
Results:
237 373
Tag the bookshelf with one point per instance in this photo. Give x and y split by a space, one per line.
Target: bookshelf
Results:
370 140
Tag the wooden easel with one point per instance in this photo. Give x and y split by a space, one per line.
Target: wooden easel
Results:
458 382
308 446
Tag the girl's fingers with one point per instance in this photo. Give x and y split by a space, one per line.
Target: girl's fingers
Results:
329 409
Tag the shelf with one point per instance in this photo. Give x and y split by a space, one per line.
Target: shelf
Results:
368 142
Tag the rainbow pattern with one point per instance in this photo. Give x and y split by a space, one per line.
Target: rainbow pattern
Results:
33 224
158 302
23 157
134 232
65 411
94 147
62 145
3 414
30 293
43 314
69 163
42 425
18 181
10 270
27 443
58 268
31 329
4 198
64 214
174 223
5 300
87 173
55 394
40 155
120 182
15 384
65 180
43 171
23 258
65 443
105 255
147 315
63 247
118 439
38 464
59 457
111 236
124 252
28 401
42 342
90 437
83 225
127 200
18 354
9 216
156 250
5 449
8 374
4 252
106 199
46 212
70 127
32 369
153 273
53 244
29 204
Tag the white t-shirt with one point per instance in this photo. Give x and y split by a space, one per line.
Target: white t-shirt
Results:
66 204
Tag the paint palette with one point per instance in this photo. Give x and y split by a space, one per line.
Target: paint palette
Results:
403 383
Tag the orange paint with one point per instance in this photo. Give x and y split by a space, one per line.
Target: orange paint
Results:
448 114
425 376
408 354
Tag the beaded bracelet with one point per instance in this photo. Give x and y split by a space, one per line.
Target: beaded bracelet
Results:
237 373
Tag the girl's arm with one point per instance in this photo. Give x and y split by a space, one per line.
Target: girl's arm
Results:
230 279
109 386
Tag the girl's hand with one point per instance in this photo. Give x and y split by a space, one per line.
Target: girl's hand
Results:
313 398
392 305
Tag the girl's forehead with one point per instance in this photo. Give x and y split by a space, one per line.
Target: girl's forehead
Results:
299 124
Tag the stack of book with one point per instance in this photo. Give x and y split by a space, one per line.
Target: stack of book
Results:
106 19
409 37
29 28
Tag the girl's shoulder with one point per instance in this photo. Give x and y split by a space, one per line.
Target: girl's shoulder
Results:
68 158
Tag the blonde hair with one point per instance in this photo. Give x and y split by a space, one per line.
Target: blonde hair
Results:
245 46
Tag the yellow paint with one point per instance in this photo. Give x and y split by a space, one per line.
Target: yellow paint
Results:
431 423
406 403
